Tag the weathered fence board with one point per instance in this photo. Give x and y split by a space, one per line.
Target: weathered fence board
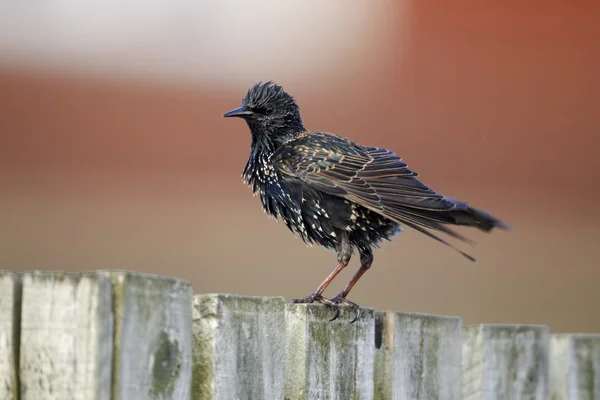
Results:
574 367
239 345
128 336
153 337
328 360
66 336
417 356
10 323
505 362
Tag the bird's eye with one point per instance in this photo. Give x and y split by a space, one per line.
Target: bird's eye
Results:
269 110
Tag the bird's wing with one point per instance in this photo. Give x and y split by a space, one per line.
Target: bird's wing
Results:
374 178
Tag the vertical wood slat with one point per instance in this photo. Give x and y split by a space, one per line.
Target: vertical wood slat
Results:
417 356
574 366
239 347
66 336
328 360
10 324
153 337
505 362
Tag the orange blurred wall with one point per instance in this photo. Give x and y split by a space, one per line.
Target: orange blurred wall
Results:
495 104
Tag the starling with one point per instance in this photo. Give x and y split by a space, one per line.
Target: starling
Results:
336 193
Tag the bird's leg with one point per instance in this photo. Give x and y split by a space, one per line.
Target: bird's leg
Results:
344 255
317 294
366 259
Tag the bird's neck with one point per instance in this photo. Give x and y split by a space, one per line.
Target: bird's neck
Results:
264 144
258 166
268 137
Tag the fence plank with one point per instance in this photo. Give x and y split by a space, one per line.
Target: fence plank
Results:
505 362
153 337
328 360
574 366
66 336
239 345
10 324
417 356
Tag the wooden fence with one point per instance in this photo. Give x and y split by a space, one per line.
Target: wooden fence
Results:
123 335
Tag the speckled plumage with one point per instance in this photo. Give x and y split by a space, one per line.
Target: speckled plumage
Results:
336 193
313 214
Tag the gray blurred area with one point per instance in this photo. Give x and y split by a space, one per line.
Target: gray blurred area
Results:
113 152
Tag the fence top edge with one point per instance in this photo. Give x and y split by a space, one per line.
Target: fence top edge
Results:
98 272
418 314
237 296
576 335
10 272
507 326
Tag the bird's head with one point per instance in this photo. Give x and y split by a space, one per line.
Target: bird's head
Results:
272 115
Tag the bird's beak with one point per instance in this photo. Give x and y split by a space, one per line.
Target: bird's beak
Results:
238 112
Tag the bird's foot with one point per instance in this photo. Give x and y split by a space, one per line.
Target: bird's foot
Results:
336 304
312 298
339 302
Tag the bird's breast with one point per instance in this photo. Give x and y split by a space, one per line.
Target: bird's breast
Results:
304 212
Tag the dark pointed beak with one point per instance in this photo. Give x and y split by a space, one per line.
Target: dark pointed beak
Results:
238 112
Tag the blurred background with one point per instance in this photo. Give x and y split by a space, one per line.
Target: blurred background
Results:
113 152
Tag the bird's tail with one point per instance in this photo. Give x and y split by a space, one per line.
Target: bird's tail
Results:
479 219
462 215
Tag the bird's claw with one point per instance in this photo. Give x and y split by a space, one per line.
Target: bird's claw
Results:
340 300
356 315
336 311
335 303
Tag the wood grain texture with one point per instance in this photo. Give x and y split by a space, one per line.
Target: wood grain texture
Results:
66 336
328 360
239 345
574 366
10 324
505 362
153 337
417 356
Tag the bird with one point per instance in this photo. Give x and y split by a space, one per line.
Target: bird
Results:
338 194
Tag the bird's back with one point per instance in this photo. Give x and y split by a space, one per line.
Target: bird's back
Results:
375 179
